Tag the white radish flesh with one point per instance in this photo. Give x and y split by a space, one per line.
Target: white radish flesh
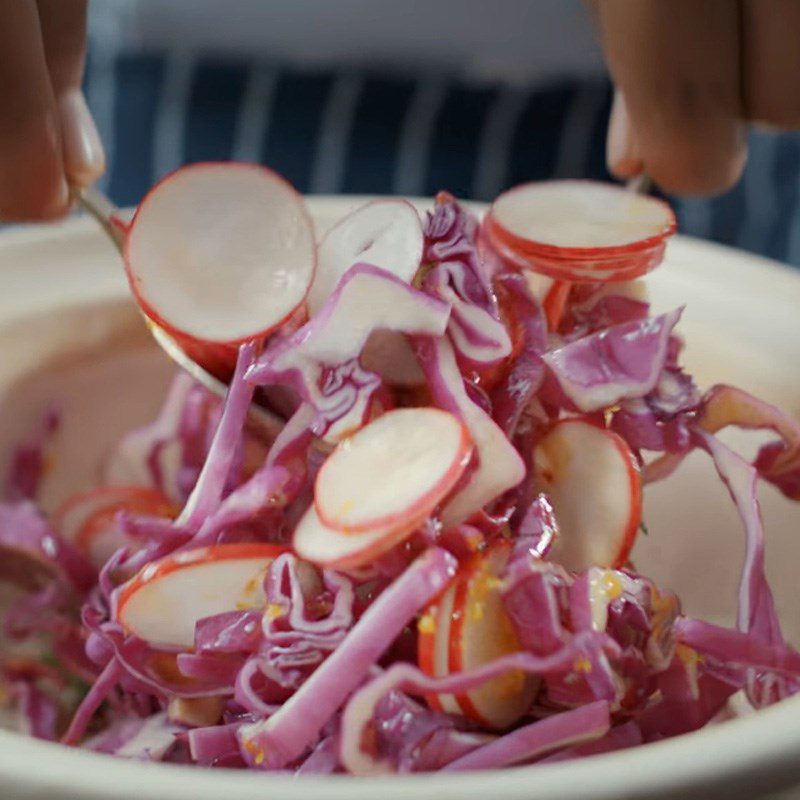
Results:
594 484
499 465
396 468
384 233
581 214
163 602
316 542
221 252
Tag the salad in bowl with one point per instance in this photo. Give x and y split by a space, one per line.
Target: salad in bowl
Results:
417 555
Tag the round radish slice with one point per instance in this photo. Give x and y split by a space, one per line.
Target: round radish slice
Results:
594 484
581 231
316 542
221 252
163 602
394 469
384 233
79 512
468 627
99 537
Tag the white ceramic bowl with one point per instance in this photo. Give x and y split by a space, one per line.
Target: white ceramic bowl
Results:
67 330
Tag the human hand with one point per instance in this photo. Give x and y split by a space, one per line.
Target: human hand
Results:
689 75
48 140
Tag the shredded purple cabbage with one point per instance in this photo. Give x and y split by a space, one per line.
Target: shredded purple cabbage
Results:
319 671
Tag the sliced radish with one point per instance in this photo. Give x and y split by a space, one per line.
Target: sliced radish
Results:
316 542
468 627
221 252
163 602
384 233
418 454
499 464
88 519
593 482
580 231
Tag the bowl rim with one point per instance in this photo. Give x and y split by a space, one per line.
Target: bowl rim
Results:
760 749
742 754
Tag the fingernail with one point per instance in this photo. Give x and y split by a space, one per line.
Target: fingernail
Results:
84 157
622 155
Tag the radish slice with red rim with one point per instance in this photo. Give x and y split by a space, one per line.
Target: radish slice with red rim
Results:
384 233
79 510
395 469
221 252
580 231
592 479
89 519
164 601
314 541
468 627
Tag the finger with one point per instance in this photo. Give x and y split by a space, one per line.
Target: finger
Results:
677 65
63 25
32 183
622 148
771 69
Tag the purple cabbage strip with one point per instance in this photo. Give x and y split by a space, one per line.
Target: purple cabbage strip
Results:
144 456
620 362
291 621
38 711
320 361
756 613
324 759
533 592
230 632
675 714
214 672
639 425
525 377
28 460
451 238
307 618
594 307
536 532
94 698
734 647
756 607
417 739
578 726
208 492
619 738
499 466
214 745
359 712
265 490
457 277
279 740
149 739
32 553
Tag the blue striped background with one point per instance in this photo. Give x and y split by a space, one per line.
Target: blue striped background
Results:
372 133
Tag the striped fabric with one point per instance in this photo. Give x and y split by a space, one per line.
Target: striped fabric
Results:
353 132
